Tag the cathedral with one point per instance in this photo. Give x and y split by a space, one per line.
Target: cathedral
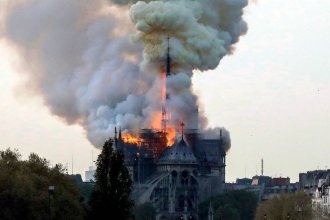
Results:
174 179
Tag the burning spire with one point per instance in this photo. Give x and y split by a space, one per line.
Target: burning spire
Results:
165 93
168 58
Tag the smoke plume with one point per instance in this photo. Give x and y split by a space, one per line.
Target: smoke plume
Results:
98 63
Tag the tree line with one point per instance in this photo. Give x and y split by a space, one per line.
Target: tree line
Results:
32 189
24 189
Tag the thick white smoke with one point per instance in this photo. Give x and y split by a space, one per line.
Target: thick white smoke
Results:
85 57
201 34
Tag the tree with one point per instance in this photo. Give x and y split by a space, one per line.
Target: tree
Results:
238 202
297 205
113 186
24 189
226 212
145 211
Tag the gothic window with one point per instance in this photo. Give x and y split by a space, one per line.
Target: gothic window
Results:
174 174
184 177
193 181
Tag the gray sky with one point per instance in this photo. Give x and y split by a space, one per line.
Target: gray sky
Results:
271 94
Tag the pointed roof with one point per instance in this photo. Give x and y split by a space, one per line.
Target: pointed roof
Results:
180 153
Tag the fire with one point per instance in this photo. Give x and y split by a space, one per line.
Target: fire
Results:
163 77
158 123
156 119
155 124
131 139
170 136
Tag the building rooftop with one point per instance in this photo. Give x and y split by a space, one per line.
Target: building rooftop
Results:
179 153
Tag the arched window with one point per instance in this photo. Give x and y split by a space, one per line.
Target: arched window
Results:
184 177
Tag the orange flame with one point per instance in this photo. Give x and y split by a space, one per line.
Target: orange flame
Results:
163 77
131 139
156 120
155 124
170 136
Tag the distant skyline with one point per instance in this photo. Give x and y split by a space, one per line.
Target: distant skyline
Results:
272 95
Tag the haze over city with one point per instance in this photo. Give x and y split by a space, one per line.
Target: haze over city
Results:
271 94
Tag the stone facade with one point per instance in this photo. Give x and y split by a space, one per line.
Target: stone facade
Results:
180 178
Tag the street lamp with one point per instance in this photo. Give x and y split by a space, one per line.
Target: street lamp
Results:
299 210
288 216
50 192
